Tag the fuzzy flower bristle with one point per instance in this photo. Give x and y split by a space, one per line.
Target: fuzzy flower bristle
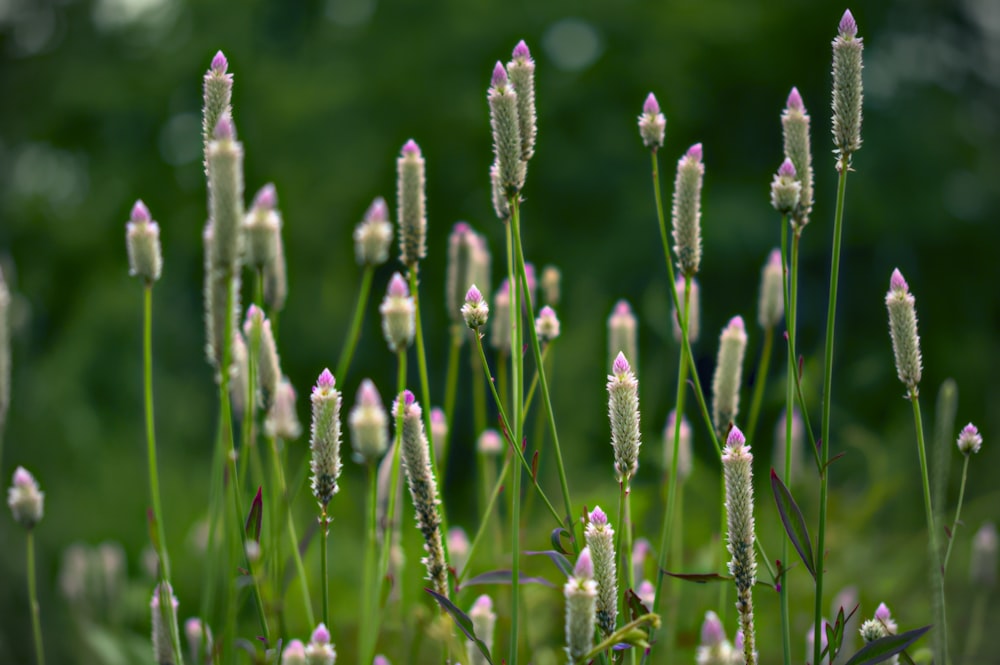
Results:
901 306
398 314
728 376
847 88
581 607
506 126
324 442
694 310
600 537
686 211
623 413
521 72
411 201
163 619
652 124
786 190
795 123
25 499
969 440
737 467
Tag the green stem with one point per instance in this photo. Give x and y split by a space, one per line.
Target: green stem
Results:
292 533
324 524
937 572
789 306
761 382
625 538
652 620
450 386
154 476
958 514
540 364
517 385
36 621
368 600
347 353
484 523
390 515
478 395
831 315
976 621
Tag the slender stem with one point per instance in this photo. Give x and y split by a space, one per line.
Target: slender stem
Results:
651 620
425 395
517 385
534 383
347 353
483 523
937 572
625 536
540 364
478 395
450 386
761 382
368 600
324 524
786 636
154 476
390 515
36 621
292 534
958 514
976 621
831 315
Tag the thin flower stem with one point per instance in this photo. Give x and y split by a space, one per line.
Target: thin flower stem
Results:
450 386
369 602
226 418
937 572
425 395
36 621
292 534
624 549
540 364
786 636
517 386
478 394
484 522
831 315
505 424
958 514
761 382
154 476
390 515
534 383
347 353
324 524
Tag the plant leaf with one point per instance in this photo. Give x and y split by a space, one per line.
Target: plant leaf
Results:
463 622
636 607
795 524
556 539
885 648
506 577
255 516
560 560
700 578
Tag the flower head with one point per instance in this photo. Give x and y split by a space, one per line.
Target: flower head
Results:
600 539
26 500
786 190
771 303
847 88
282 420
489 443
728 375
475 311
969 440
623 413
652 124
411 199
142 240
398 314
506 125
324 442
795 133
521 70
547 324
319 651
581 607
373 235
368 423
163 637
686 212
903 331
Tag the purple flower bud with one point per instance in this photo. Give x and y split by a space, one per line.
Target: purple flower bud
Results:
475 311
901 306
651 106
26 501
848 26
521 71
294 653
219 63
695 152
262 231
410 148
321 635
319 651
598 516
686 210
584 568
224 129
324 441
140 213
267 197
547 324
368 422
499 79
409 399
489 442
620 366
712 632
373 235
521 51
969 440
652 123
897 283
787 169
882 612
795 100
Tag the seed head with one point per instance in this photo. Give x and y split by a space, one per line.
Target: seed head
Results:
142 240
737 467
373 235
652 124
26 500
728 375
398 314
903 331
623 412
368 423
847 88
771 305
600 539
969 440
475 311
581 607
324 442
411 199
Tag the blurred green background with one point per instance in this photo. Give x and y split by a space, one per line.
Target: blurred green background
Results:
101 105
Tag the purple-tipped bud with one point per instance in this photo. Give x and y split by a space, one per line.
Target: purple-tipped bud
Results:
499 79
686 210
547 324
598 516
771 303
373 235
324 441
140 213
26 501
410 148
164 628
262 231
882 612
652 123
378 210
219 63
224 129
325 380
267 197
475 311
321 635
489 442
712 632
584 568
795 100
620 366
294 653
787 169
897 283
728 376
786 189
397 286
848 26
969 440
408 398
521 51
319 651
735 438
651 106
695 152
737 466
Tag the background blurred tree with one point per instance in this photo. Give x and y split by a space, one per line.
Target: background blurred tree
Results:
101 106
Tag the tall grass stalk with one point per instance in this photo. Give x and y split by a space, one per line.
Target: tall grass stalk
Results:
154 478
36 620
843 166
369 601
293 537
516 371
789 293
937 570
351 342
958 515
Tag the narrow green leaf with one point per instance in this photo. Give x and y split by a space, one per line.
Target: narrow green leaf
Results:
700 578
561 562
795 524
506 577
255 516
885 648
463 622
556 539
